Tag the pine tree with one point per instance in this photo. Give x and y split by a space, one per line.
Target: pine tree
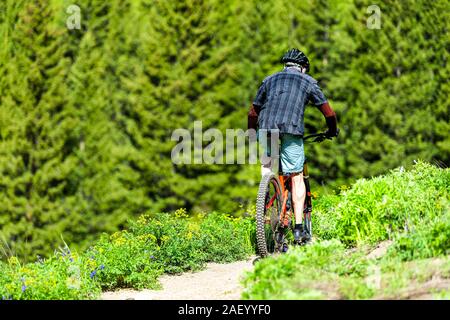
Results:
37 161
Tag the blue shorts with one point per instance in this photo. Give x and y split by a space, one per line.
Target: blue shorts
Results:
292 151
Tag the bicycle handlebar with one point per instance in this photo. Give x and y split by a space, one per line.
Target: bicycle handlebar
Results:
319 137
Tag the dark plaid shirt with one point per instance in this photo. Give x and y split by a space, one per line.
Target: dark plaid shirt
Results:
282 98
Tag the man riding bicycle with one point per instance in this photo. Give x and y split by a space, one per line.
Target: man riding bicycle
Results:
279 108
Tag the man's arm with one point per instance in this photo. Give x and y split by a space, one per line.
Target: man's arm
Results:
252 117
318 99
255 108
330 118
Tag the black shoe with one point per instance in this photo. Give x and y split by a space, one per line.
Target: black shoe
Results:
301 236
305 237
297 235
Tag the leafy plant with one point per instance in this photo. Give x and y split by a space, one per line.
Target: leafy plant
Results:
64 276
134 258
375 209
125 260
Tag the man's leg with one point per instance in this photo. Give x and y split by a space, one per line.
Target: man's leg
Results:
292 161
298 196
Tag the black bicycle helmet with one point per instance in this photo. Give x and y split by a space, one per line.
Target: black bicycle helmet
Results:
296 56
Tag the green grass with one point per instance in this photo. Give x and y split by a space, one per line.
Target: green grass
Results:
410 208
327 270
63 276
376 209
428 240
134 258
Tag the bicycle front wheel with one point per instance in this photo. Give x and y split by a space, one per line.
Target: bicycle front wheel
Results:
268 209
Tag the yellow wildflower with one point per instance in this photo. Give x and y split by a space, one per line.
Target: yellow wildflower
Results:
118 234
181 213
142 220
13 261
119 241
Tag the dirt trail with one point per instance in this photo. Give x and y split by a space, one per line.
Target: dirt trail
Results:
216 282
380 250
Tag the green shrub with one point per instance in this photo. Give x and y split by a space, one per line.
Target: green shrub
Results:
125 260
178 238
135 258
376 209
430 240
169 243
64 276
187 243
225 238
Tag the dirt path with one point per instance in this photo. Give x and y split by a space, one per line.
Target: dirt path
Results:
216 282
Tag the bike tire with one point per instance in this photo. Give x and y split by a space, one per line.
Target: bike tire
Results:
267 219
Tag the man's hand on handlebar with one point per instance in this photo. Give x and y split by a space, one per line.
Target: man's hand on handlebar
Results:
330 135
322 136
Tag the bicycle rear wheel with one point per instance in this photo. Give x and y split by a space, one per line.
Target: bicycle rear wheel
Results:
268 209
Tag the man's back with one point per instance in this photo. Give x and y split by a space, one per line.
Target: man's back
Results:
282 98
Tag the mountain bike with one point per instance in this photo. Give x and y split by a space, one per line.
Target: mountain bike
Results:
275 218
